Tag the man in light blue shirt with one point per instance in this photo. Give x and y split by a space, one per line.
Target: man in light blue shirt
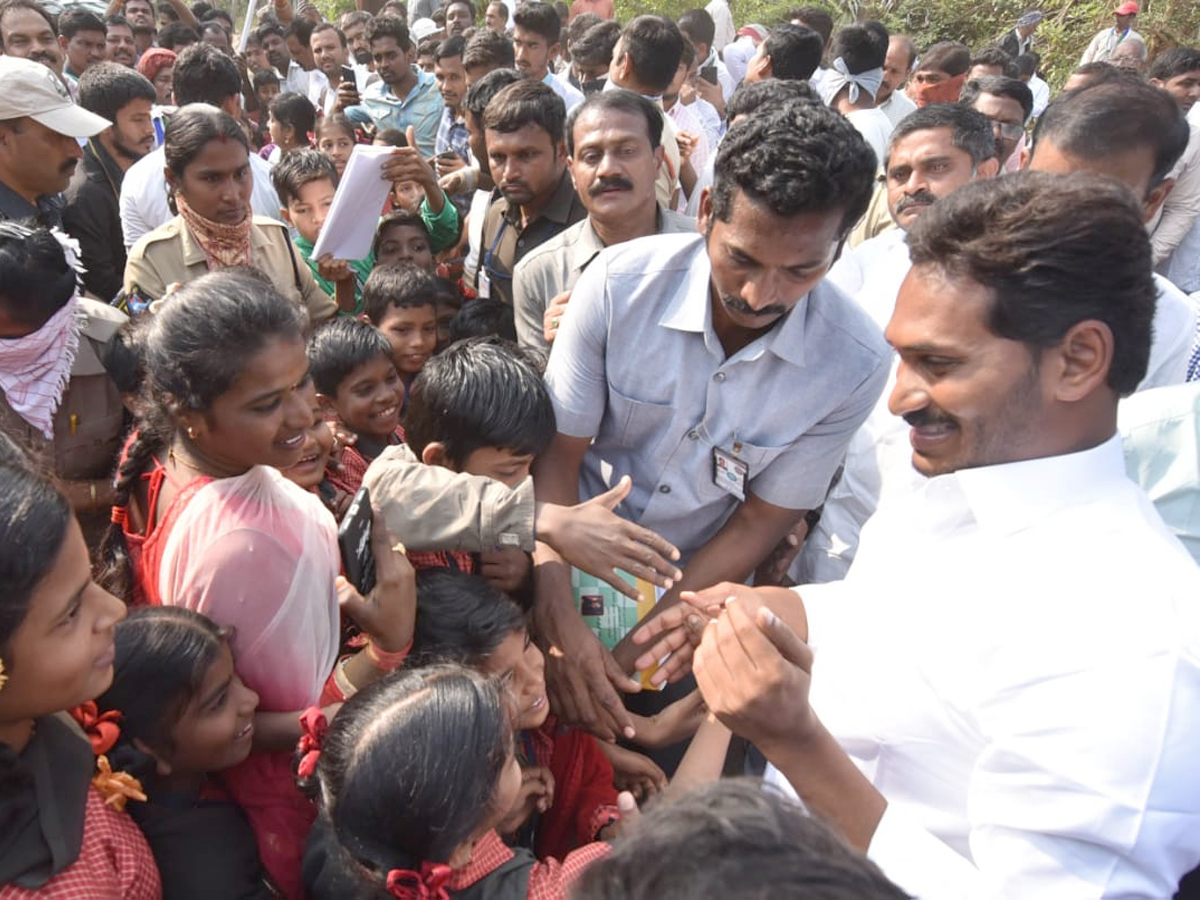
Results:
721 373
404 95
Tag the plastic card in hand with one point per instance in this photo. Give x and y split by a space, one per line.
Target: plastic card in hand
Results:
350 224
610 614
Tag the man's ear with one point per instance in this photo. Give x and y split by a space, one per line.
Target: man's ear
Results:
762 68
434 454
1085 355
704 212
989 168
1157 197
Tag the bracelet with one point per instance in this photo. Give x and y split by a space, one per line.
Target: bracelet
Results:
384 661
92 491
342 681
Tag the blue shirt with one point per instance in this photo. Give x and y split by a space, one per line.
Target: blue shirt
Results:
452 135
638 367
422 109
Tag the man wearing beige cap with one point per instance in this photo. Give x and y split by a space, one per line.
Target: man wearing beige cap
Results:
39 125
1103 44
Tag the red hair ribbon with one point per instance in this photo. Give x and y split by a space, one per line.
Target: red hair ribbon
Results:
427 884
101 729
312 735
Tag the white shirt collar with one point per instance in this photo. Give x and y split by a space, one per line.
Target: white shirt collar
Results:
1009 497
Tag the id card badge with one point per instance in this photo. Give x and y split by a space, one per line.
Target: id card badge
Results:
730 473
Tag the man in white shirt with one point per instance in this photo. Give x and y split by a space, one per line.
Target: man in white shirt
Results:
897 66
1134 133
933 152
203 74
536 36
723 32
738 54
852 82
1027 71
1003 701
699 28
1177 71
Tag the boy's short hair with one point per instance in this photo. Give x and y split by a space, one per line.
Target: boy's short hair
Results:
400 217
480 318
393 137
264 78
339 347
733 838
478 393
402 285
299 168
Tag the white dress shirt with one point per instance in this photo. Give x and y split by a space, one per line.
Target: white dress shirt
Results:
876 129
1161 433
724 32
896 107
1041 95
1180 210
571 96
1014 662
143 200
878 459
737 56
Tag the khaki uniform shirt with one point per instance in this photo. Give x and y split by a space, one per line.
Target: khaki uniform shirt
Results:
170 254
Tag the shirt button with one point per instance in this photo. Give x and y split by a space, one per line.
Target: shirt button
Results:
693 435
664 489
719 377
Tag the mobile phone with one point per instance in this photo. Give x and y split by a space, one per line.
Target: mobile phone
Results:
348 74
354 542
447 154
709 74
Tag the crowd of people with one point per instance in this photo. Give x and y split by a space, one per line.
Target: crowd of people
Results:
739 460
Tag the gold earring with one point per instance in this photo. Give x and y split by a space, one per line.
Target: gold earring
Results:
191 433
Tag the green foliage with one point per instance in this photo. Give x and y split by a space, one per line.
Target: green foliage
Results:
1061 38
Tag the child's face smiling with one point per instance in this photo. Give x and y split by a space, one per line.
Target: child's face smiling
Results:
368 399
412 332
318 445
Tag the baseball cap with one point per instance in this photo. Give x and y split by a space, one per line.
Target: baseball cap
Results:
423 28
1126 9
32 89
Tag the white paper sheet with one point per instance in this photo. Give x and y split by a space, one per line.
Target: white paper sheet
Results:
349 228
